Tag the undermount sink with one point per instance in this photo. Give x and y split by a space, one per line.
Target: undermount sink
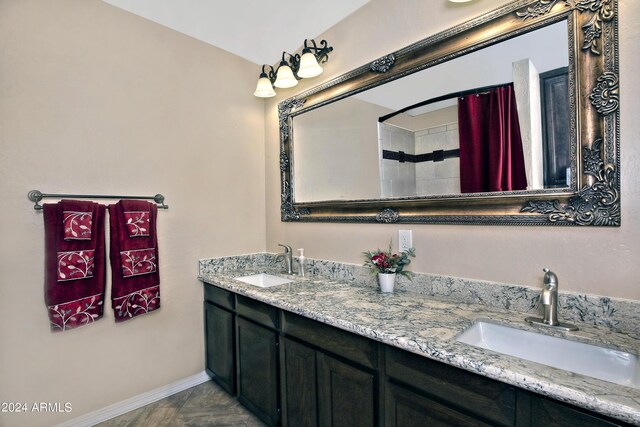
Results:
594 361
264 280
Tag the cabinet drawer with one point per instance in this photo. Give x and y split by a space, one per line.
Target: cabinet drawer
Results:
353 347
471 393
219 296
546 412
257 311
404 408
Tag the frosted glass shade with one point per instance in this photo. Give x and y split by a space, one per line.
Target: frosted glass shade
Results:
285 78
264 88
309 66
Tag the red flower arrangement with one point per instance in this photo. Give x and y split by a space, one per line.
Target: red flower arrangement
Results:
387 262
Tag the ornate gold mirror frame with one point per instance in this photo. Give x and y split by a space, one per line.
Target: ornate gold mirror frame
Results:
594 195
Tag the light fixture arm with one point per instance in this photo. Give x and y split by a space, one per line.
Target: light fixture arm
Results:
293 63
321 53
271 74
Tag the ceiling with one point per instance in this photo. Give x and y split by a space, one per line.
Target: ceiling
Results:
256 30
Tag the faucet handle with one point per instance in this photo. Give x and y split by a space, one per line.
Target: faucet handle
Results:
287 248
550 278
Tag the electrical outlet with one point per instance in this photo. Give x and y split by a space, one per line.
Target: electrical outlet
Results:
405 240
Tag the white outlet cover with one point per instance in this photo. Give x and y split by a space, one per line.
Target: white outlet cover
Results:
405 240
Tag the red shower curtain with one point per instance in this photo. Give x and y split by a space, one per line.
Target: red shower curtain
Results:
491 157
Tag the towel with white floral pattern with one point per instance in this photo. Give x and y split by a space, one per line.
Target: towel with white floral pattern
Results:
74 263
135 278
137 223
77 225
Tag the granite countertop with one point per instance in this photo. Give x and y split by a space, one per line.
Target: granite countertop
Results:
428 327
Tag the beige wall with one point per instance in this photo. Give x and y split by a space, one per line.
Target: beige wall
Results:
594 260
325 160
137 109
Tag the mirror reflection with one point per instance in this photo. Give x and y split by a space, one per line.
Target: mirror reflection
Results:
493 120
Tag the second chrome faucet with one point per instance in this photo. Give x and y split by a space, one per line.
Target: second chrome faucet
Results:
549 300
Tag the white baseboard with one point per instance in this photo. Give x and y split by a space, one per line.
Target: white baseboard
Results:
136 402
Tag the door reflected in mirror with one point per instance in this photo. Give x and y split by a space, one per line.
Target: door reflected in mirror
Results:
491 121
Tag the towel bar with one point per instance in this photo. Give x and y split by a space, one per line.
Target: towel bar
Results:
36 196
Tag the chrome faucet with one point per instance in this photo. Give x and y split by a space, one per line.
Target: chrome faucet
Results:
549 299
288 258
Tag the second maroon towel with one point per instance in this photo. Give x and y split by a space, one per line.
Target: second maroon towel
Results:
135 281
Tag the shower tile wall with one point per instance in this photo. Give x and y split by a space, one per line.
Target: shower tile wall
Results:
397 179
434 178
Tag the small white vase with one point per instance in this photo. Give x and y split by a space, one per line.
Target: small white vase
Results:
387 281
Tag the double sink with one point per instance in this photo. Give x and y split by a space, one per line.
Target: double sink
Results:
603 363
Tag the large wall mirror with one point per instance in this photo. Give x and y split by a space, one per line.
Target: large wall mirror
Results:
510 118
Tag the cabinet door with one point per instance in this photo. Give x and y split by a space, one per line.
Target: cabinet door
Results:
219 346
346 394
258 370
300 395
548 413
404 408
471 394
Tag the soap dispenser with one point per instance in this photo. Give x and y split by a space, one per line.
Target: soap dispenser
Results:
301 260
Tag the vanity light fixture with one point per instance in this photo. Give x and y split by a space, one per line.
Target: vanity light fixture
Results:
284 74
297 67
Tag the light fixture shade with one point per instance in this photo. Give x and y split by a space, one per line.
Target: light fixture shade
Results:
285 78
309 66
264 88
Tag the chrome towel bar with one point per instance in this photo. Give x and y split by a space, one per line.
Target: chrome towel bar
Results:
36 196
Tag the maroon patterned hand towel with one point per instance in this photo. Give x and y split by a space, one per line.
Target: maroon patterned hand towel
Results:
135 276
74 263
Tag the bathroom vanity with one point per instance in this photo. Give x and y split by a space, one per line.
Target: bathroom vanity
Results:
329 349
323 352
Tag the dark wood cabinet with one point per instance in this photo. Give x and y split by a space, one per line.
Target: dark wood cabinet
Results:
346 395
320 390
324 376
420 391
407 408
329 375
219 346
258 370
461 391
549 413
299 384
359 350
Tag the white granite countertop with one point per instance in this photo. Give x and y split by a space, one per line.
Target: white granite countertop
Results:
428 327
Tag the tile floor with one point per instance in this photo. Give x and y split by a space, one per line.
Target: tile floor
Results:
204 405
